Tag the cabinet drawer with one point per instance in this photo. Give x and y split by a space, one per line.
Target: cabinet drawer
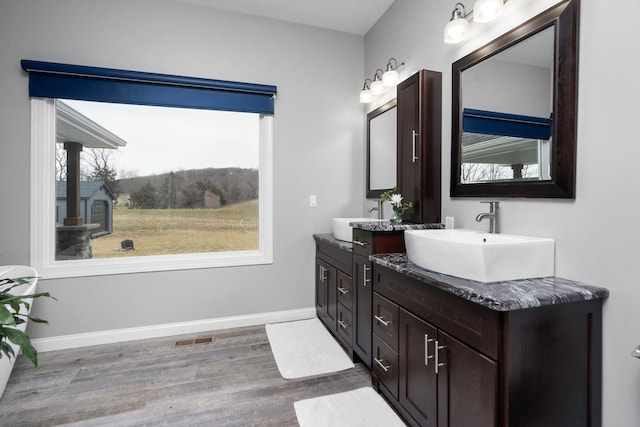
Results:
345 324
345 290
385 365
338 257
385 320
362 242
366 243
477 326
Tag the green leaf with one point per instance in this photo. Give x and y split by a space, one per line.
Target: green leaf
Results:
6 316
6 349
37 320
18 337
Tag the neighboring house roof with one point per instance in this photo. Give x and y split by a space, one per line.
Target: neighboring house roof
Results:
72 126
87 189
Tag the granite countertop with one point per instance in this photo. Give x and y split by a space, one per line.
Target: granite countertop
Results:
373 226
387 226
328 238
499 296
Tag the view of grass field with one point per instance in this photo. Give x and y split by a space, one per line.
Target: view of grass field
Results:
181 231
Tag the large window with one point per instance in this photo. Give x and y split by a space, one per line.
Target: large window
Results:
125 187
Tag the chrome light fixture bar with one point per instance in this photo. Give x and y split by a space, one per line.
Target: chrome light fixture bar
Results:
381 81
457 29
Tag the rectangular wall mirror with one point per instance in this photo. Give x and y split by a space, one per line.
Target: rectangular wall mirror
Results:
381 149
514 111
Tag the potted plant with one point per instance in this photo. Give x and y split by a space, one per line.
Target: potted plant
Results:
17 291
395 199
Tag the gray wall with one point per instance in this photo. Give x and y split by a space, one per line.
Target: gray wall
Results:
597 233
318 144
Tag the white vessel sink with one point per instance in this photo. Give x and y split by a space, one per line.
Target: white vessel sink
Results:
481 256
343 231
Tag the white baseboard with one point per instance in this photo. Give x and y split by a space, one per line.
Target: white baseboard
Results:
120 335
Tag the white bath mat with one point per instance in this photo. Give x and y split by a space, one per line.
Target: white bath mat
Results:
305 348
362 407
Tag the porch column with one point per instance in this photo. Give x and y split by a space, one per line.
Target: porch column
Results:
517 171
73 183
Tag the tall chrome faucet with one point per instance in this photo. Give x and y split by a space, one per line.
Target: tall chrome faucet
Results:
379 209
494 223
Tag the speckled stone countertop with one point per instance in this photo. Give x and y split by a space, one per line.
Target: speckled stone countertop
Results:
387 226
369 226
328 238
499 296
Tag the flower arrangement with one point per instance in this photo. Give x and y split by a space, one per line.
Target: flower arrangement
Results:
395 200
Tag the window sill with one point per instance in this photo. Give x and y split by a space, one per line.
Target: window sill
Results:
147 264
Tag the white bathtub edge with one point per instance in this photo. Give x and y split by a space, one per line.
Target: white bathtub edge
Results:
64 342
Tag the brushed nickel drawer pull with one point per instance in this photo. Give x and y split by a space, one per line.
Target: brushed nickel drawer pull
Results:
438 364
323 276
381 320
359 243
427 340
381 364
365 269
342 324
343 291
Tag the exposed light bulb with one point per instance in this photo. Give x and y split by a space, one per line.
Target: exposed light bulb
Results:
390 78
366 96
456 30
487 10
377 87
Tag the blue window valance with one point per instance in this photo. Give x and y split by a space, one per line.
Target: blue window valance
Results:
53 80
505 124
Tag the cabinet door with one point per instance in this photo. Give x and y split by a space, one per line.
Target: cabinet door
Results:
419 145
467 385
321 289
418 378
332 297
409 150
363 293
326 298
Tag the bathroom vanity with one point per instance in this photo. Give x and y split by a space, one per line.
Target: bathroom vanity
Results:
446 351
344 290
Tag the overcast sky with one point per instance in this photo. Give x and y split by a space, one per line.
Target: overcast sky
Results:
161 139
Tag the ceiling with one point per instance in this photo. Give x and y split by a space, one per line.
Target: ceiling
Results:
351 16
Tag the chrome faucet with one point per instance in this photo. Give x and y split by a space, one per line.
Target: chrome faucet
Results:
378 208
494 224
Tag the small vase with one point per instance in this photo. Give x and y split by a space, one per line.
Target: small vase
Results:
396 218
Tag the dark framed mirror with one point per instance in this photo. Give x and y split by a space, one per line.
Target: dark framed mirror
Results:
514 111
381 149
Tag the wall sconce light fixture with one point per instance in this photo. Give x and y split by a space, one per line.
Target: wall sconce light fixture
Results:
377 88
365 94
391 77
381 81
457 29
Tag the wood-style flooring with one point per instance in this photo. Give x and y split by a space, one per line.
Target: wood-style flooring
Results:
233 381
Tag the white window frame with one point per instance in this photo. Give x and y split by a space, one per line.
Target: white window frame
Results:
43 227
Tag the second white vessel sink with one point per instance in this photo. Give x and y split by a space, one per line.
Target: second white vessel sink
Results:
343 231
481 256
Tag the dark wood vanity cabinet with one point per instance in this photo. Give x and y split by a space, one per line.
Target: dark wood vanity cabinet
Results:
442 360
344 289
333 277
366 243
442 381
419 110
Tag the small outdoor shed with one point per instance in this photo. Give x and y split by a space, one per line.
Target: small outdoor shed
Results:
96 205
